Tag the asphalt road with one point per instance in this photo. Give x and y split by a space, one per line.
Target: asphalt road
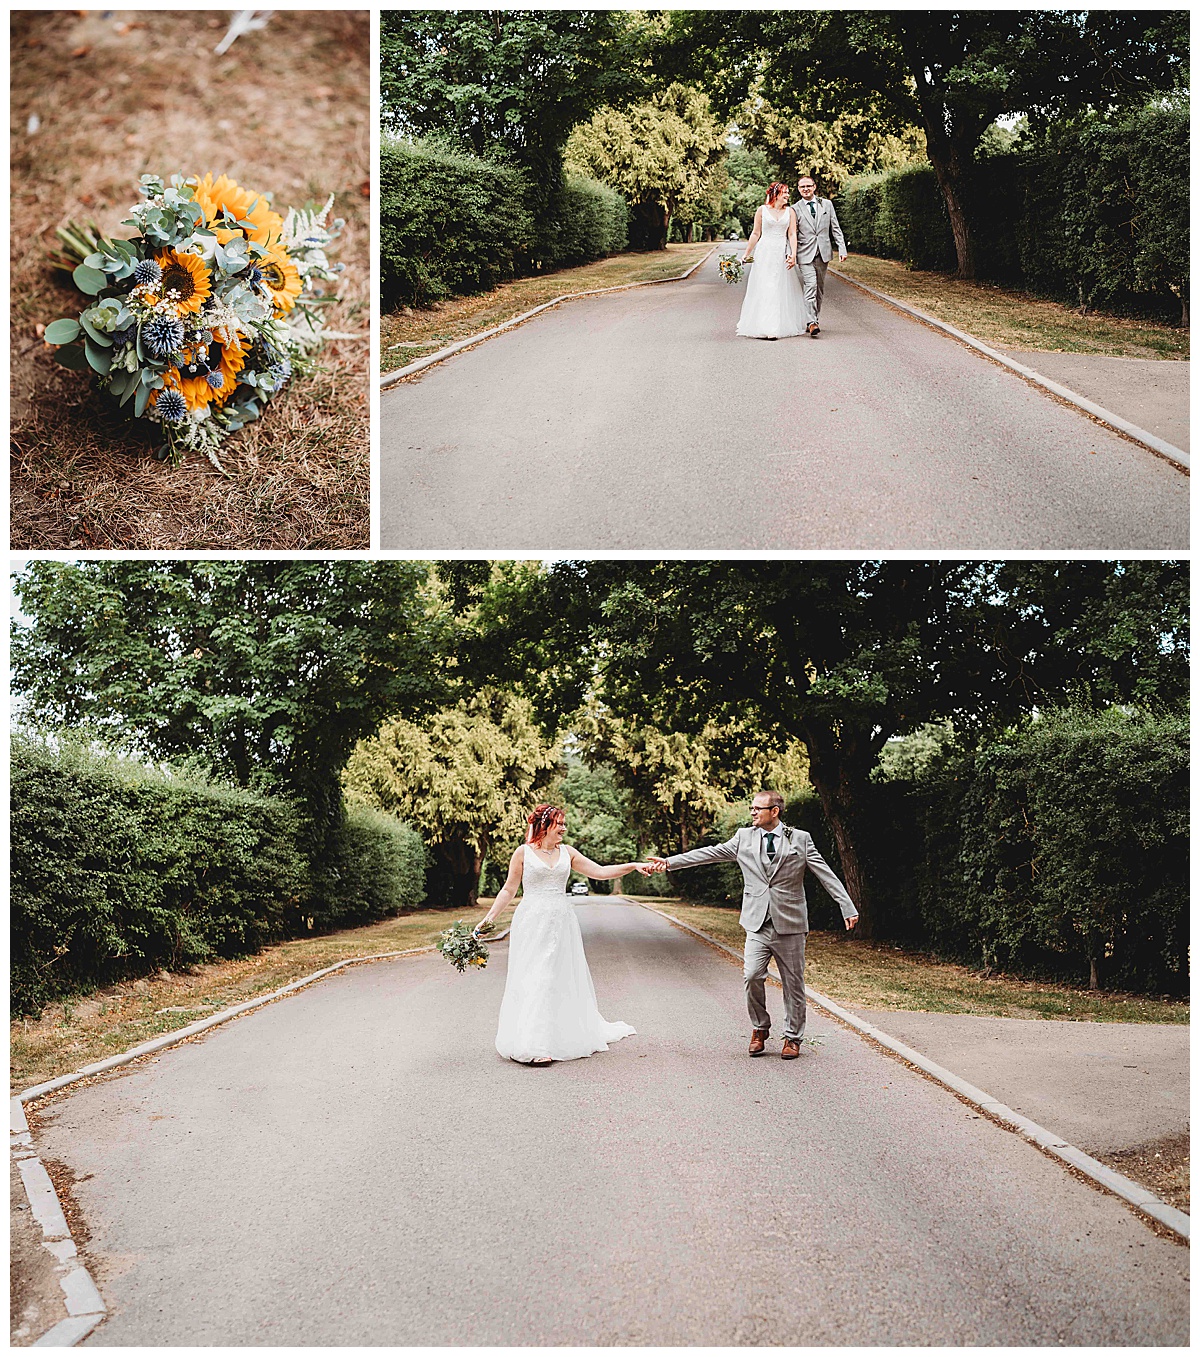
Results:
355 1165
641 421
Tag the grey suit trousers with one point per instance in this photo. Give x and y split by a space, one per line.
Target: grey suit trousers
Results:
788 951
812 278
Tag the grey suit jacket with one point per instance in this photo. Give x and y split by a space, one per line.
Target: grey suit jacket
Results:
779 884
817 237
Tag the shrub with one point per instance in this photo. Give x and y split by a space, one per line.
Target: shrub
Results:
1055 848
453 224
118 870
1092 211
590 221
449 223
375 867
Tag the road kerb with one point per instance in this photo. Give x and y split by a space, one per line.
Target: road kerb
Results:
85 1306
1116 1183
1152 441
390 379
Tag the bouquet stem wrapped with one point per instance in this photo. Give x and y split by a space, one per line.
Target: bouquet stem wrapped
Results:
200 320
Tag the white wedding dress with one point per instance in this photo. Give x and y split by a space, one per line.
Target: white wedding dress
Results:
774 304
549 1006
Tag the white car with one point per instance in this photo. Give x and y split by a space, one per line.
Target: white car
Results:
579 888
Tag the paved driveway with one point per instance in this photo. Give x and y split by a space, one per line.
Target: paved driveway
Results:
355 1165
639 420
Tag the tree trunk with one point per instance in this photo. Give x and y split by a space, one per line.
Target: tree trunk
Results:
648 227
452 881
1094 978
838 769
946 157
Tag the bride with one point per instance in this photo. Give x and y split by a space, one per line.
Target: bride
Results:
549 1008
774 304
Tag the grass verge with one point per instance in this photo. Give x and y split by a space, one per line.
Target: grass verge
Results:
77 1032
1009 319
874 975
409 334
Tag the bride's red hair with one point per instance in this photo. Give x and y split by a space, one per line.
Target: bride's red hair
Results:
773 193
540 820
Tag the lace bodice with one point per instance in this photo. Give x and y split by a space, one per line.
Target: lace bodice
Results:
775 227
538 879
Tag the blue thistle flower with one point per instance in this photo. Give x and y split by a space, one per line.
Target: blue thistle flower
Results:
216 380
171 407
125 335
147 273
162 336
280 372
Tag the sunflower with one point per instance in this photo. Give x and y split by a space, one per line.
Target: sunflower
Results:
282 279
196 389
213 195
186 275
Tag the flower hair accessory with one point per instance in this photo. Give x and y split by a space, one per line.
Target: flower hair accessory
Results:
540 820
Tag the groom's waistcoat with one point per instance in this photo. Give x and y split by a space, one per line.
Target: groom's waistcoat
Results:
777 886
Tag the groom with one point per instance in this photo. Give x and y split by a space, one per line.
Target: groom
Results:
773 859
817 231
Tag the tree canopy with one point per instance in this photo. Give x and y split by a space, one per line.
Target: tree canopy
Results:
508 82
264 672
664 154
465 777
845 655
952 73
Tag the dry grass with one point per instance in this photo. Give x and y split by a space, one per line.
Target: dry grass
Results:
285 111
869 975
70 1035
409 334
1008 319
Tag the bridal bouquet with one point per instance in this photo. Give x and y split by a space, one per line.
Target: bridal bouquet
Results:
461 948
199 321
731 268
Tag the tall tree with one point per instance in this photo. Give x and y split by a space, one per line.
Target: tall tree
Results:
512 82
950 72
844 655
265 672
465 777
664 154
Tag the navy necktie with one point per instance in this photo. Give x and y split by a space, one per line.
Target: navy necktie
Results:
770 846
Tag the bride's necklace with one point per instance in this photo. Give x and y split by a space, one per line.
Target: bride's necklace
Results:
537 852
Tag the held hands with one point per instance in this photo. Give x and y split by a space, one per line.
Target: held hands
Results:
658 864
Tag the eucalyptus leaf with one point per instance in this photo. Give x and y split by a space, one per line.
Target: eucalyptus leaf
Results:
140 401
98 359
62 331
72 356
89 280
97 336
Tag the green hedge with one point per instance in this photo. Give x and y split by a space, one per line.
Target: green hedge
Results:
452 224
117 871
1060 845
1056 845
448 223
1094 212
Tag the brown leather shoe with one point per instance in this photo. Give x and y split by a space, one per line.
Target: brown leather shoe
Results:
758 1040
791 1049
814 329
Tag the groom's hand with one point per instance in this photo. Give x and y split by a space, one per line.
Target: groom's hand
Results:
658 864
851 921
